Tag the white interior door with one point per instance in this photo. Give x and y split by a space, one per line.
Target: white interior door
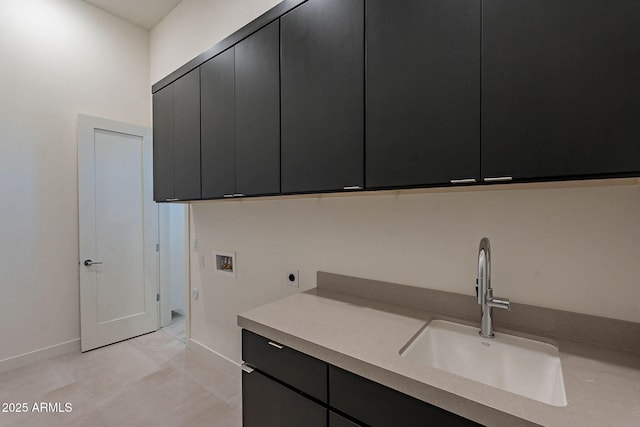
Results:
118 232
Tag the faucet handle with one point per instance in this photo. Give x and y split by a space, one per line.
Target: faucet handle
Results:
497 302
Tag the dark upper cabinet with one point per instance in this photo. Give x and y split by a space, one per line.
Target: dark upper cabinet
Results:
163 173
560 88
176 119
240 95
423 92
452 90
217 95
186 113
322 96
257 109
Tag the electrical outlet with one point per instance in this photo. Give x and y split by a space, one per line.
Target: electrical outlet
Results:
293 278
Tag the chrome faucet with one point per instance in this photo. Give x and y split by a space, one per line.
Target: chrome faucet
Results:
484 291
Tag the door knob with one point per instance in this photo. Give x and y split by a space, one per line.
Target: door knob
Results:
89 263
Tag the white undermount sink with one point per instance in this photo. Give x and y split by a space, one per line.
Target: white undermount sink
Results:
515 364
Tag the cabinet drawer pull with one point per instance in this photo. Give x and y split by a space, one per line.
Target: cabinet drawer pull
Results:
228 195
238 195
278 346
463 181
248 369
352 187
499 179
171 200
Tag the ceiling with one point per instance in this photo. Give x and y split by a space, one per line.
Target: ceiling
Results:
143 13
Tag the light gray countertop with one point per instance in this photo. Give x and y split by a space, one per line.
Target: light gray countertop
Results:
365 336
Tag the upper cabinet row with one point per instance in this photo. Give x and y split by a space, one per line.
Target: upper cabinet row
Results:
353 94
240 113
176 140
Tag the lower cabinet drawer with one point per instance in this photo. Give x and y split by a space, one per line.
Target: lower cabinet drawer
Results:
267 403
336 420
296 369
379 406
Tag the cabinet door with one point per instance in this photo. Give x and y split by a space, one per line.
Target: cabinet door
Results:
218 126
560 88
322 77
186 136
163 144
267 403
377 405
257 103
423 92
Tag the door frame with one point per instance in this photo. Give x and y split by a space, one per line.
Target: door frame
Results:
86 126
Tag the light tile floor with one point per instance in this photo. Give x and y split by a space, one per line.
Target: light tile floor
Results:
178 327
150 380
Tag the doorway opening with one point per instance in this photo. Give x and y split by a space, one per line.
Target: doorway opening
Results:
174 271
178 326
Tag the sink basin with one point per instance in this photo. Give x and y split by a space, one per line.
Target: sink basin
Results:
515 364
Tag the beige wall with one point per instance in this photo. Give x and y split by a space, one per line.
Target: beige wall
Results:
59 58
575 249
194 26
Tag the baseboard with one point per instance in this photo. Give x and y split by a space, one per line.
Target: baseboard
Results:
39 355
223 362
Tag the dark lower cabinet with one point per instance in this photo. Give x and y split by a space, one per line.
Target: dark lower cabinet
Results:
336 420
296 369
423 92
267 403
285 389
322 96
379 406
176 140
288 388
560 88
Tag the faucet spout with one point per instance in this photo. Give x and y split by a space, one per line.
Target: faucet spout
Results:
484 291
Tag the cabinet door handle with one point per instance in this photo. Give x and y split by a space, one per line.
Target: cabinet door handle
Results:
499 179
278 346
463 181
352 187
238 195
248 369
228 195
171 200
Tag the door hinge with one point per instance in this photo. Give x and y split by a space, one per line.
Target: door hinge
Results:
157 297
157 247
